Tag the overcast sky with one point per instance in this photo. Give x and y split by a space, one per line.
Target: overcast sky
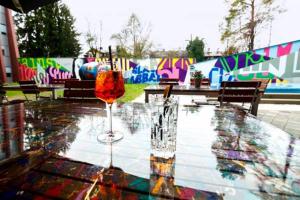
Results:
174 21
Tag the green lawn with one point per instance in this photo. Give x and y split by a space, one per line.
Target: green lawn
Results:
132 91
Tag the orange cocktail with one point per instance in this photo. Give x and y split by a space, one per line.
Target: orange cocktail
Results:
109 86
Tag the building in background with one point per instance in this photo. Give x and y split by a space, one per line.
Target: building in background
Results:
9 52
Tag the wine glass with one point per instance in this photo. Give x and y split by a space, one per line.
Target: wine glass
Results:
109 87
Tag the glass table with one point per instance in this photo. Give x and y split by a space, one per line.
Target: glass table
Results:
50 150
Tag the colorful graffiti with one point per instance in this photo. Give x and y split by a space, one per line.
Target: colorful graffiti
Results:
281 63
135 71
174 67
43 70
283 68
140 74
239 61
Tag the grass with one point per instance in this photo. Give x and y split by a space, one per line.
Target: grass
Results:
132 91
14 95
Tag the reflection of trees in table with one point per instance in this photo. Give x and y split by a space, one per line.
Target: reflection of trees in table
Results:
279 179
35 134
241 146
236 143
47 130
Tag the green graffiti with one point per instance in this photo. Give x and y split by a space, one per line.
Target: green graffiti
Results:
245 77
229 66
249 56
265 76
42 62
23 61
225 65
33 63
236 60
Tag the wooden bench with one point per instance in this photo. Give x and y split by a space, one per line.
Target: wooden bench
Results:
240 92
30 87
80 90
61 81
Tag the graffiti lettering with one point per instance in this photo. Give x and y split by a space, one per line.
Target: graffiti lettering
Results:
26 73
239 61
167 73
58 74
174 67
142 75
41 78
42 62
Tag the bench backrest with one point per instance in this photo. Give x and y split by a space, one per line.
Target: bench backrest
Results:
169 81
29 87
77 89
60 81
239 91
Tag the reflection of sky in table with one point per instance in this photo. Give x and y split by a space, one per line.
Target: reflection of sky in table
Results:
220 151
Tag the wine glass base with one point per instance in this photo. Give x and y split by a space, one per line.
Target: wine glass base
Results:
109 137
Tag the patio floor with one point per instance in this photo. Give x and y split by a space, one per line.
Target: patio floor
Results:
285 117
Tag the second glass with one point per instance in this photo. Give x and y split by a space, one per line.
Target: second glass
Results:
109 87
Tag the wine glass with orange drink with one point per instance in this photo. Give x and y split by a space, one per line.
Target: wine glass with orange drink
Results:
109 87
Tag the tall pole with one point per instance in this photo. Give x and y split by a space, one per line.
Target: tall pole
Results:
100 38
270 33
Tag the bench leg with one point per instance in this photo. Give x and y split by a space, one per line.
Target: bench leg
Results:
254 107
54 94
146 97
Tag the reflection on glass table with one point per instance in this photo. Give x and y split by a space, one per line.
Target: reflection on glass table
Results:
220 154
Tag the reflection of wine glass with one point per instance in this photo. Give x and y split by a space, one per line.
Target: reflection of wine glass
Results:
108 182
109 87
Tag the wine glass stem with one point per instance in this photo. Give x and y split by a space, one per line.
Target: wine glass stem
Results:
110 119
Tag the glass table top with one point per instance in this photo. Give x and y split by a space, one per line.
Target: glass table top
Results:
50 149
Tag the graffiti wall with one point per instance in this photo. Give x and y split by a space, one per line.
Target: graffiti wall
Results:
281 63
43 70
135 71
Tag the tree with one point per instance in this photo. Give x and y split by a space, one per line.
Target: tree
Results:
195 49
244 21
47 32
91 40
230 50
133 40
